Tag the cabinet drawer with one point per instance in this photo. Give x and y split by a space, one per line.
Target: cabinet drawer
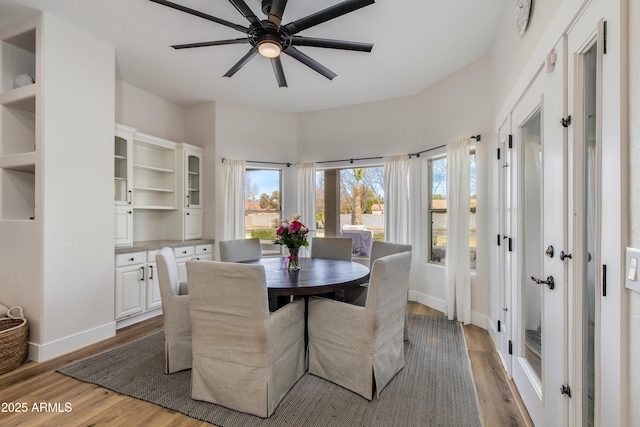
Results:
203 249
122 260
185 251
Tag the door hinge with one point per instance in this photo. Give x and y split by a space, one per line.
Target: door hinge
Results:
499 239
499 326
510 347
498 154
565 389
510 244
566 121
604 44
604 280
510 141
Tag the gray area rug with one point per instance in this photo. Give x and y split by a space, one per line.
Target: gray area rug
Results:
435 388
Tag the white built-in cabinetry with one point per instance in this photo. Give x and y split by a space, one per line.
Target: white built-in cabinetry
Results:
155 174
186 222
137 290
123 185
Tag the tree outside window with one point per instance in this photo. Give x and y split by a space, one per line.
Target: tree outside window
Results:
438 209
263 208
361 199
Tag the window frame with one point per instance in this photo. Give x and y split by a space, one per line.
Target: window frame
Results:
267 249
431 210
354 165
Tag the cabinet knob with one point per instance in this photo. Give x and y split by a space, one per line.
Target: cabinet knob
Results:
188 213
131 259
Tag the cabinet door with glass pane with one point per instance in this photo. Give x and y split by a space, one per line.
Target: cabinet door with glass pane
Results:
193 177
123 165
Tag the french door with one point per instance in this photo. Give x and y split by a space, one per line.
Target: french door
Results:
539 223
505 271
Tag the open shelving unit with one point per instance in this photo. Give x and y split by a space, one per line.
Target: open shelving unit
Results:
154 173
18 122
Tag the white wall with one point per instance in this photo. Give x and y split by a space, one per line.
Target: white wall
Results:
634 200
148 113
457 107
510 52
78 275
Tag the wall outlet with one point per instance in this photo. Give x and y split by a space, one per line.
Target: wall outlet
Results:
631 272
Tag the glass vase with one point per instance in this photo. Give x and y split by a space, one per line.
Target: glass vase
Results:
293 263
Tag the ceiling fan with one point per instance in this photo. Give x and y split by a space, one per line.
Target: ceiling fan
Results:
268 37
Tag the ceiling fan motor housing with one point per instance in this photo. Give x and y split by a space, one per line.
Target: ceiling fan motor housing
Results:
269 33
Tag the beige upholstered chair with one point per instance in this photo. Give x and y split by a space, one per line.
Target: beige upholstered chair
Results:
358 295
331 248
240 250
243 357
175 309
360 348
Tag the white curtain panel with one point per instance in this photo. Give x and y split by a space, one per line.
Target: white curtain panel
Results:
396 199
457 265
306 206
234 172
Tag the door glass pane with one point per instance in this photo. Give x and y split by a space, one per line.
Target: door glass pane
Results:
120 172
193 173
589 288
532 247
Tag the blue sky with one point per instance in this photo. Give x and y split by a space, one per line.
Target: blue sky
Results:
267 181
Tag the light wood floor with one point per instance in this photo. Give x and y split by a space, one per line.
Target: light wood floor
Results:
90 405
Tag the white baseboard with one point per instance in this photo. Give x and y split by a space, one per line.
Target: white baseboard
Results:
42 352
480 320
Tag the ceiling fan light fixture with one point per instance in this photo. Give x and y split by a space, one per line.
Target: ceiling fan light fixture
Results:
269 49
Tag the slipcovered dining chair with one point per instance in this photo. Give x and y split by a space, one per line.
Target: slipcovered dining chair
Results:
362 348
358 295
175 309
339 248
244 358
331 248
240 250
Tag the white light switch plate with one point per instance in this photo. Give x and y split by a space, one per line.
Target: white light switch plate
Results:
631 273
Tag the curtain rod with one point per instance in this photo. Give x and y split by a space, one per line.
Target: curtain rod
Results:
351 160
265 163
478 138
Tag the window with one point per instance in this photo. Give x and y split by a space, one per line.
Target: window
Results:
358 196
438 209
263 207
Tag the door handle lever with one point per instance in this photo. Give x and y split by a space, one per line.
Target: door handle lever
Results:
549 282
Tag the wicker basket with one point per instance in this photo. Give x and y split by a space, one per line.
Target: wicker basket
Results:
14 336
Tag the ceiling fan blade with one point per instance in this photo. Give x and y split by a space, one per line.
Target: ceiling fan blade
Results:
332 44
279 71
211 43
248 57
311 63
202 15
326 15
246 12
276 11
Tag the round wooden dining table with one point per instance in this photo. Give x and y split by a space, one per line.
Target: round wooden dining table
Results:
316 276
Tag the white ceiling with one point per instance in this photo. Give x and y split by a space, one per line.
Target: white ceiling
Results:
416 43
